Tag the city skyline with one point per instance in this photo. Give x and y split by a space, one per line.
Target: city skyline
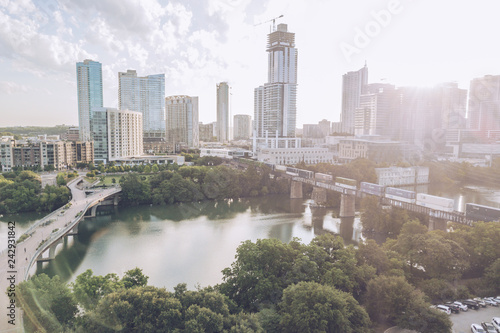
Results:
198 44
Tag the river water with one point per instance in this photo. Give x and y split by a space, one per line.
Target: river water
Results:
192 243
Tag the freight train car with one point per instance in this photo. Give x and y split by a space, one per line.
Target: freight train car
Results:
305 173
434 202
399 194
373 189
346 183
292 171
482 213
322 177
281 168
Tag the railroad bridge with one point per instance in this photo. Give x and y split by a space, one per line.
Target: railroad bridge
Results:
437 218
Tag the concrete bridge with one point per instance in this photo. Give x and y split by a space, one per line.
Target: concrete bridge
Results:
44 237
437 219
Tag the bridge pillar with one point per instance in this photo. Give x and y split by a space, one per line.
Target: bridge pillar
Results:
437 223
115 200
347 203
319 195
296 190
52 249
93 211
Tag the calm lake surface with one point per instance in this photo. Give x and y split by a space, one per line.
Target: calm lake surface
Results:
192 243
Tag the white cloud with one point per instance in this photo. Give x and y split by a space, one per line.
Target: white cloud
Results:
9 88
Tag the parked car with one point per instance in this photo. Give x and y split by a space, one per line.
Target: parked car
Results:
496 323
444 308
488 327
476 328
462 307
471 304
490 301
453 307
480 302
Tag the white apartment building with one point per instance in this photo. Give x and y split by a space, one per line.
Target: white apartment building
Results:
287 156
117 134
124 134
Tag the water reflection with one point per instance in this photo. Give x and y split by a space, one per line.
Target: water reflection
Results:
192 242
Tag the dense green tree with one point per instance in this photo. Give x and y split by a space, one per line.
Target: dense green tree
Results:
89 289
479 241
60 179
47 303
438 257
219 183
259 274
200 320
389 297
370 253
492 277
134 278
437 290
312 307
141 309
29 175
134 190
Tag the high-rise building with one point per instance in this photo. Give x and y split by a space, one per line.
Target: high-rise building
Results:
208 132
353 86
426 113
484 103
223 116
453 106
325 126
378 111
182 121
275 103
89 87
117 134
242 126
145 95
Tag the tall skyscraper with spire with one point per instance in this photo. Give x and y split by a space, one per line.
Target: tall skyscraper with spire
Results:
275 103
353 86
89 86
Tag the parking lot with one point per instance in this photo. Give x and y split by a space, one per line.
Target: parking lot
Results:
463 320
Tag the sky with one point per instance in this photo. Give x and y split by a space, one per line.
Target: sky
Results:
198 43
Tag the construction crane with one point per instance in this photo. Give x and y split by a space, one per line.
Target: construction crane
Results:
273 20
